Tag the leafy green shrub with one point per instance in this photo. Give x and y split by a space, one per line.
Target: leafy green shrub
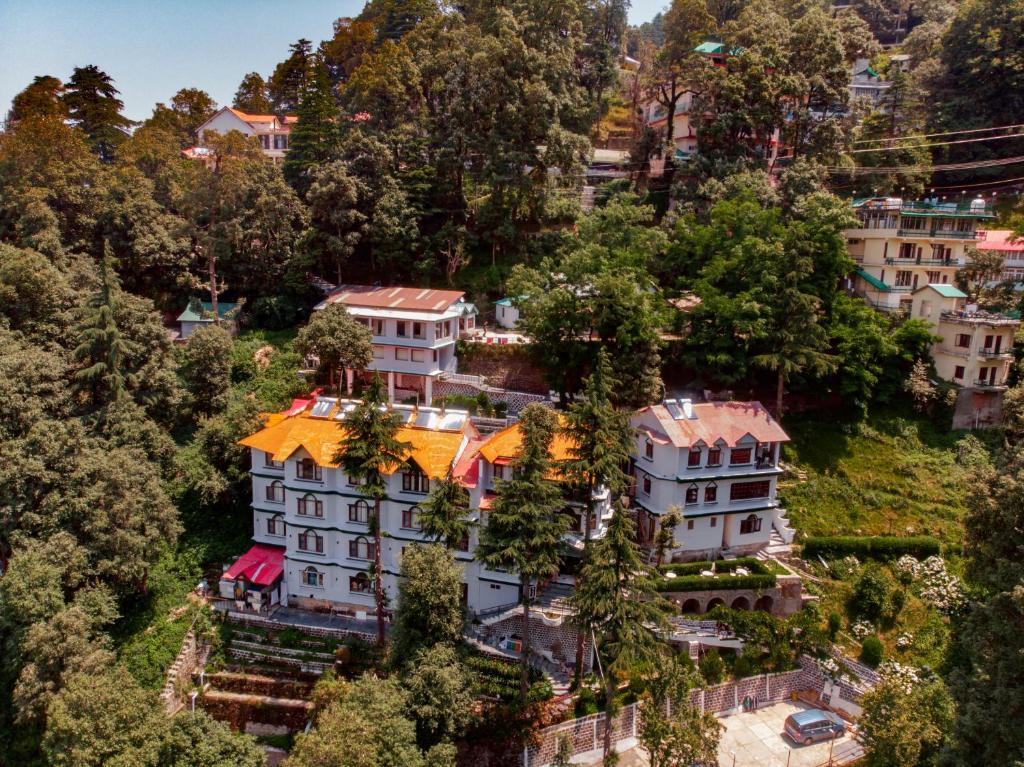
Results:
835 623
879 547
872 594
712 667
872 651
730 582
743 667
586 703
290 637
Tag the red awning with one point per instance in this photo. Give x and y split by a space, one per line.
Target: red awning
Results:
261 565
297 406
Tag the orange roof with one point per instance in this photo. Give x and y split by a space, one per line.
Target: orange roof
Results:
410 299
506 444
433 450
714 421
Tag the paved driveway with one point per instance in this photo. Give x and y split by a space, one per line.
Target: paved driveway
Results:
755 739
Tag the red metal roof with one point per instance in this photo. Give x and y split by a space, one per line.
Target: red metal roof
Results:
410 299
1001 240
261 565
714 421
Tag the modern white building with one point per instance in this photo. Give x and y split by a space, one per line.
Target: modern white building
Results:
414 333
506 313
271 131
717 463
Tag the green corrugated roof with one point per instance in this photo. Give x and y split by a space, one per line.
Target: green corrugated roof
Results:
947 291
873 281
223 307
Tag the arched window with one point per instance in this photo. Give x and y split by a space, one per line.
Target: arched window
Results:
411 518
307 469
313 577
691 494
310 506
359 512
275 525
360 548
414 480
751 524
359 583
275 491
646 484
649 449
310 541
711 493
693 459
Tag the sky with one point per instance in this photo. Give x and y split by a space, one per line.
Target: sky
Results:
152 48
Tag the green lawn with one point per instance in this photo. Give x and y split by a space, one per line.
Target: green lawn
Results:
893 474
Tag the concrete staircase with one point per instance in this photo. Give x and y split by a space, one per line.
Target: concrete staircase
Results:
777 547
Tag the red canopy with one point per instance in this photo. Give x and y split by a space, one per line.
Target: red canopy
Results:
261 565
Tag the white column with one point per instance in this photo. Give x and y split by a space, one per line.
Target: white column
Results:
429 390
391 386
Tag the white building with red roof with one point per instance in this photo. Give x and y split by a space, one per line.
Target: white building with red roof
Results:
717 463
414 333
272 131
1007 244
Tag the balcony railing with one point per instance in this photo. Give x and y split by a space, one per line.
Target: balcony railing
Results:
986 318
901 289
915 261
995 353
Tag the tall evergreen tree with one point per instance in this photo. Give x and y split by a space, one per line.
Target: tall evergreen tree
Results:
444 514
41 98
600 442
291 78
617 600
370 450
102 350
251 96
525 525
92 105
313 140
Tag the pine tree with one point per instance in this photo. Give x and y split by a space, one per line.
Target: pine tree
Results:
251 96
93 106
313 140
291 78
444 514
666 539
616 598
525 525
370 450
601 441
101 350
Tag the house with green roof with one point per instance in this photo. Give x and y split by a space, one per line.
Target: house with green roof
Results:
199 314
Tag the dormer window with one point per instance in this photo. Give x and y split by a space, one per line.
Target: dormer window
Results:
499 471
415 481
694 458
307 469
714 457
691 494
649 449
270 463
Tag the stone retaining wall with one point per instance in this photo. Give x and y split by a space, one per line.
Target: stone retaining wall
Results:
515 400
191 657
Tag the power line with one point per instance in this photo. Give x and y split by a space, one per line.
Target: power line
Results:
933 135
865 170
937 143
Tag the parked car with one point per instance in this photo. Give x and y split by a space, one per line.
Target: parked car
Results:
812 726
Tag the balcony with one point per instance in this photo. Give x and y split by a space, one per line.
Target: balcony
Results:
995 354
953 263
901 289
980 318
988 386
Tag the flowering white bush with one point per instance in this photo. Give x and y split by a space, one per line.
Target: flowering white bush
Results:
907 568
831 669
939 588
861 629
904 640
904 677
845 567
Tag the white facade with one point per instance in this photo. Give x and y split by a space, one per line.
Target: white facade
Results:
506 314
271 131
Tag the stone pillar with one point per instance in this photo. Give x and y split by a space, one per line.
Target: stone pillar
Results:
428 390
391 386
349 376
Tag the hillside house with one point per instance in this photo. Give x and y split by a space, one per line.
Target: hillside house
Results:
272 131
199 314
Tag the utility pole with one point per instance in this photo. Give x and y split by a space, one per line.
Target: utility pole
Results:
211 265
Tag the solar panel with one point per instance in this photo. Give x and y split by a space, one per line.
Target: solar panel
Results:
344 410
674 409
323 407
425 418
453 421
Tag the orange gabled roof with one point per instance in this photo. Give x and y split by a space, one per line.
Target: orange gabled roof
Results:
434 451
507 443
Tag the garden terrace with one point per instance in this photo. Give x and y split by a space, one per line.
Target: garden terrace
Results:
687 577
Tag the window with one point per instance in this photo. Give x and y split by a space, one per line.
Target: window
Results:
378 327
751 524
356 481
313 577
714 457
694 458
938 251
401 354
415 481
270 463
359 583
714 522
280 142
360 548
963 340
646 484
741 491
691 494
711 493
904 278
275 491
265 141
689 524
739 455
906 250
989 341
958 372
439 329
310 506
410 518
463 543
934 278
311 542
418 355
275 525
359 512
402 329
307 469
419 330
649 450
499 471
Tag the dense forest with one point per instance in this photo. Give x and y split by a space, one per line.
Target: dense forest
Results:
448 146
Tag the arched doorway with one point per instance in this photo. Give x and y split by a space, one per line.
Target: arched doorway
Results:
715 603
741 603
764 604
690 606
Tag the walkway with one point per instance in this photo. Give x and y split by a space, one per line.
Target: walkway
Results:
290 616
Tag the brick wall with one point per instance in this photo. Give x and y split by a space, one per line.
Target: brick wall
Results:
559 640
586 734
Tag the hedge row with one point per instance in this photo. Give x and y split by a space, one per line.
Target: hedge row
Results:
753 564
724 582
878 547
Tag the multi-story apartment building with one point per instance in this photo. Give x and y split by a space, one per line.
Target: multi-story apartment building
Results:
902 245
976 347
1010 247
271 131
717 463
414 333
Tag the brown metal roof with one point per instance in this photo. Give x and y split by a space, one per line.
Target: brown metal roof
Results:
410 299
725 421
